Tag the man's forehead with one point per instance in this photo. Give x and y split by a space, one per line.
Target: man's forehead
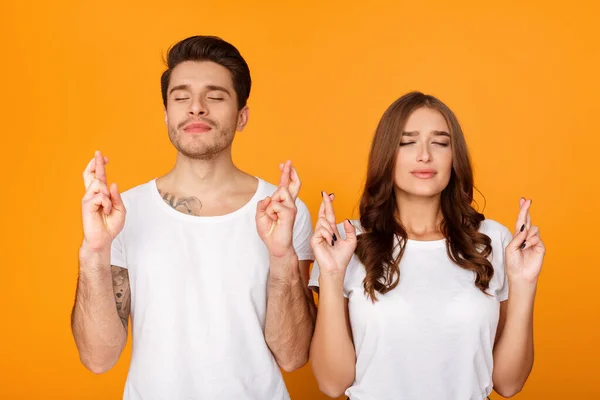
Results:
201 73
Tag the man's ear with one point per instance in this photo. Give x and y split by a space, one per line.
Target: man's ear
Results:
242 120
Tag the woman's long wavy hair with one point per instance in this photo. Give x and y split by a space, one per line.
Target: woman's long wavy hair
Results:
466 246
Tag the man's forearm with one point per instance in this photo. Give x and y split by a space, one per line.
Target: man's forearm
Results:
290 314
97 328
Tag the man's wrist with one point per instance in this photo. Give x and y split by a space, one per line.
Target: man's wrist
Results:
93 258
284 265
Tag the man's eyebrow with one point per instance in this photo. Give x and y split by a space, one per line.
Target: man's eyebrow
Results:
179 87
215 87
209 87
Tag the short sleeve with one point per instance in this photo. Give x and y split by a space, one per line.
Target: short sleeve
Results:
302 232
313 282
117 252
502 293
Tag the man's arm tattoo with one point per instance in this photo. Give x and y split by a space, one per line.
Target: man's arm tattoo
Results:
122 291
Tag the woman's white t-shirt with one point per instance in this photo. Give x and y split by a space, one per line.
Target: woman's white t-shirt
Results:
430 338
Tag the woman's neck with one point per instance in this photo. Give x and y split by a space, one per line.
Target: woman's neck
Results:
421 216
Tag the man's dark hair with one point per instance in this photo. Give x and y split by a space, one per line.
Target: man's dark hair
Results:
209 48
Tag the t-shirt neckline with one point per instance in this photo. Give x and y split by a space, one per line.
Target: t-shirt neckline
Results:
204 219
426 243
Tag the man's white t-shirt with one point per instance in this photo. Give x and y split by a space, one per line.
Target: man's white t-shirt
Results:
198 300
430 338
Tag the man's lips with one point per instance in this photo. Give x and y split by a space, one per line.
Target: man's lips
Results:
197 127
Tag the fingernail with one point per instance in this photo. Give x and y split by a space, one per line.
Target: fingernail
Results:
522 227
333 243
334 238
522 246
322 193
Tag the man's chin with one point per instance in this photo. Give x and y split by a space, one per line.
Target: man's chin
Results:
200 152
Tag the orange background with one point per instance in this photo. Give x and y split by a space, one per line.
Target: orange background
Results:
82 75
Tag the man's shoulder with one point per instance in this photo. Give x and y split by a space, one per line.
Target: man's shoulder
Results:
138 192
266 188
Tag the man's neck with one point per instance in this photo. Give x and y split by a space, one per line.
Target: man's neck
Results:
197 177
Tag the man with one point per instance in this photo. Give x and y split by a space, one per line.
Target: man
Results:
210 262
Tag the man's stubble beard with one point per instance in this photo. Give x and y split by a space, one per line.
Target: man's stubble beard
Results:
196 149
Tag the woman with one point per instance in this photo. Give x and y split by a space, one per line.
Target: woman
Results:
414 302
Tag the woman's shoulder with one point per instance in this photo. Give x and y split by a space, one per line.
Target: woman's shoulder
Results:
355 223
494 229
